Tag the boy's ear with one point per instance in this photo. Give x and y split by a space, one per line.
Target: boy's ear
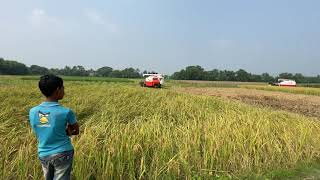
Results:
56 92
59 92
58 89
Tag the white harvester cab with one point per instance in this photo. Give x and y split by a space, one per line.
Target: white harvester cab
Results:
149 77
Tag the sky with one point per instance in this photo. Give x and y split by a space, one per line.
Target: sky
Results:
164 35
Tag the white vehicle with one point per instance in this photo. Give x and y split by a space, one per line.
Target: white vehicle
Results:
160 76
152 80
285 82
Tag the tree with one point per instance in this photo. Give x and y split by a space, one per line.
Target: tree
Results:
66 71
286 76
229 76
130 73
12 67
255 78
91 72
242 75
179 75
194 73
38 70
116 73
212 75
299 78
74 71
265 77
55 71
2 66
79 71
104 71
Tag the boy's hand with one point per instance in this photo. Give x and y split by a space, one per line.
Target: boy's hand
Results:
69 130
72 129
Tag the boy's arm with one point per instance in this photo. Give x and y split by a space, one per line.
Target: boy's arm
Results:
73 129
73 126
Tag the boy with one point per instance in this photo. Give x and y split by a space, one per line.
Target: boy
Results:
53 124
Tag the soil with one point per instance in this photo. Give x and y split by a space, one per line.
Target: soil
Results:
303 104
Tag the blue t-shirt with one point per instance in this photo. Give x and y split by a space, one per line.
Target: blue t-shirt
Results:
49 121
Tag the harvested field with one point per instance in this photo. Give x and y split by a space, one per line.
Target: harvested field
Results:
221 82
293 90
296 103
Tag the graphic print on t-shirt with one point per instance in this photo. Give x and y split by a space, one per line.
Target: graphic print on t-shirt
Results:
44 119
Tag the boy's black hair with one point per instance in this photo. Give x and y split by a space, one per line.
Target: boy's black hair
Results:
49 83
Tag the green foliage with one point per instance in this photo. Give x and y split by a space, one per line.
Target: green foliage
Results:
286 76
304 170
126 73
265 77
16 68
88 79
74 71
38 70
198 73
299 78
212 75
12 67
190 73
242 75
104 71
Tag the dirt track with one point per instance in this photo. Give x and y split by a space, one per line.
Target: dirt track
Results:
302 104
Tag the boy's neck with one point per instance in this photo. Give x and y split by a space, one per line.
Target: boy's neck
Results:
50 99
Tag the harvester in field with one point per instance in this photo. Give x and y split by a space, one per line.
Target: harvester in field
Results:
152 80
285 82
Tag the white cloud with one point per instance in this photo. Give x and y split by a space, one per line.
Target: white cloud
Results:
98 19
39 17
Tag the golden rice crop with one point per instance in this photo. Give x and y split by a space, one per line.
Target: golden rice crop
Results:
294 90
129 132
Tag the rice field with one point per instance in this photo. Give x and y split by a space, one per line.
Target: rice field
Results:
129 132
294 90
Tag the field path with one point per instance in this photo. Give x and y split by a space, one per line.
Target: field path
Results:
296 103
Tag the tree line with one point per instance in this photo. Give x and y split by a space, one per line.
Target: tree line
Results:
8 67
198 73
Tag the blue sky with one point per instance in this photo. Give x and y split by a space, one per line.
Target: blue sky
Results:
164 35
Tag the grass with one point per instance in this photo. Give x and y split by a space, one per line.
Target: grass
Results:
130 132
301 171
313 85
294 90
